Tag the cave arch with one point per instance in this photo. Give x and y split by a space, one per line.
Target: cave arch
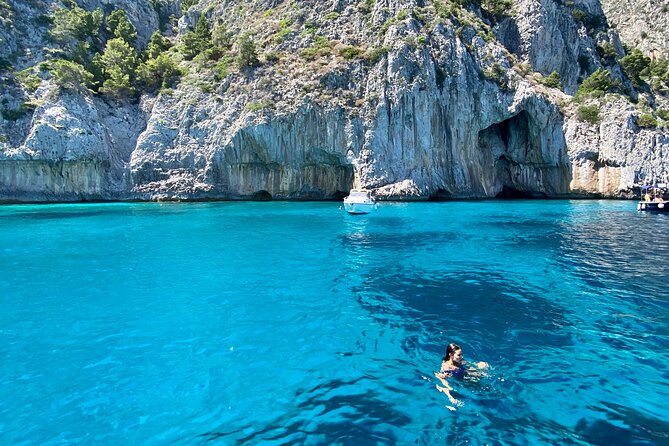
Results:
524 157
261 195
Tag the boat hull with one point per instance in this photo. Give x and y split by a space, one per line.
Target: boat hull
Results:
359 208
652 206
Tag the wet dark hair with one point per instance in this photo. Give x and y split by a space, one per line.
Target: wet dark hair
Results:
450 350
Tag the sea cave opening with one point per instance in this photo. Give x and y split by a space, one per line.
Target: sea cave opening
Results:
261 195
506 146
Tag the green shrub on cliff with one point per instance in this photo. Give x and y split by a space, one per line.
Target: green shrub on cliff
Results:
350 52
579 15
272 56
190 46
320 47
607 50
220 36
75 24
14 114
196 41
28 79
442 10
281 35
77 33
157 45
247 55
372 56
222 68
496 9
663 113
659 68
658 73
388 23
260 105
646 120
597 84
590 21
588 113
186 4
70 75
81 53
497 74
160 72
43 20
552 80
25 108
330 16
635 66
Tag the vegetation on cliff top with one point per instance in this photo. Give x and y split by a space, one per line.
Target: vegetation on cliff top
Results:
99 52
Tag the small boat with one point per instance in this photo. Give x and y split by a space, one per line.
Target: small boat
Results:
359 201
652 198
652 206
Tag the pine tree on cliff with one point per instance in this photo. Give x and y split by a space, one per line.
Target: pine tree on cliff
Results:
119 64
248 56
120 27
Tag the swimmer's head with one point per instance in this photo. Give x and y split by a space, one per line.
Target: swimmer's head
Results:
454 353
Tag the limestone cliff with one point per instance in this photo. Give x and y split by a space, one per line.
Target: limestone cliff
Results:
641 23
416 99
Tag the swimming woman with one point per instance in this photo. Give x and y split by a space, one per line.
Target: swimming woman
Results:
453 365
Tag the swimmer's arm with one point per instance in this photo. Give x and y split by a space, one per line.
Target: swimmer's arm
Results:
441 376
446 389
477 368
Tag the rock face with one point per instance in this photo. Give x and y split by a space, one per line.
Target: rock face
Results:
642 24
191 153
77 148
433 107
616 153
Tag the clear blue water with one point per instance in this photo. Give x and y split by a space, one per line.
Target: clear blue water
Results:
295 323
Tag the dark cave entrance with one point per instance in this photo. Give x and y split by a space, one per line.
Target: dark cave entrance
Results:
261 195
508 136
505 147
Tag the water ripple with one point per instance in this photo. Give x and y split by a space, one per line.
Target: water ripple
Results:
282 323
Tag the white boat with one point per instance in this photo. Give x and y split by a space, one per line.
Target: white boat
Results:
359 201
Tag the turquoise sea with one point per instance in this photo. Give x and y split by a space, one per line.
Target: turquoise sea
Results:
295 323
